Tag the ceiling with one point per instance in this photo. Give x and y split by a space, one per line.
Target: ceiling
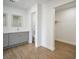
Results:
66 6
57 3
25 4
22 4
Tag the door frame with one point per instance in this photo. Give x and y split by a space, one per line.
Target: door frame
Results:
30 33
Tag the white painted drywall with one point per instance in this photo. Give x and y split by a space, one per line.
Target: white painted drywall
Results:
66 27
39 23
45 18
14 11
47 27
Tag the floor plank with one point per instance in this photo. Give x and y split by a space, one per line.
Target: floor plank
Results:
28 51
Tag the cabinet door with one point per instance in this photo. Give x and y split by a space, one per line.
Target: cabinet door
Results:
5 40
16 38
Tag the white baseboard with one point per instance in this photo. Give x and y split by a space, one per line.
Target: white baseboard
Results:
72 43
52 49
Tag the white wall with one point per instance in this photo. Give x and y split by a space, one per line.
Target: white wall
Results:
45 18
39 23
14 11
66 27
47 27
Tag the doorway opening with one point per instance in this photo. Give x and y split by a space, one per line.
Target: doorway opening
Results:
33 25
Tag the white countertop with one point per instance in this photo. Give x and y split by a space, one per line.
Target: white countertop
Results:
15 31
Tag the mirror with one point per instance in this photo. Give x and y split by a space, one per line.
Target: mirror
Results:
4 20
17 21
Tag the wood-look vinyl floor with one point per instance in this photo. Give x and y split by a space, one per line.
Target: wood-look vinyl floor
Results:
28 51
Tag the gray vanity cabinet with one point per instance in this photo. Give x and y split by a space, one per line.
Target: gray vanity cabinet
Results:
16 38
5 40
11 39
